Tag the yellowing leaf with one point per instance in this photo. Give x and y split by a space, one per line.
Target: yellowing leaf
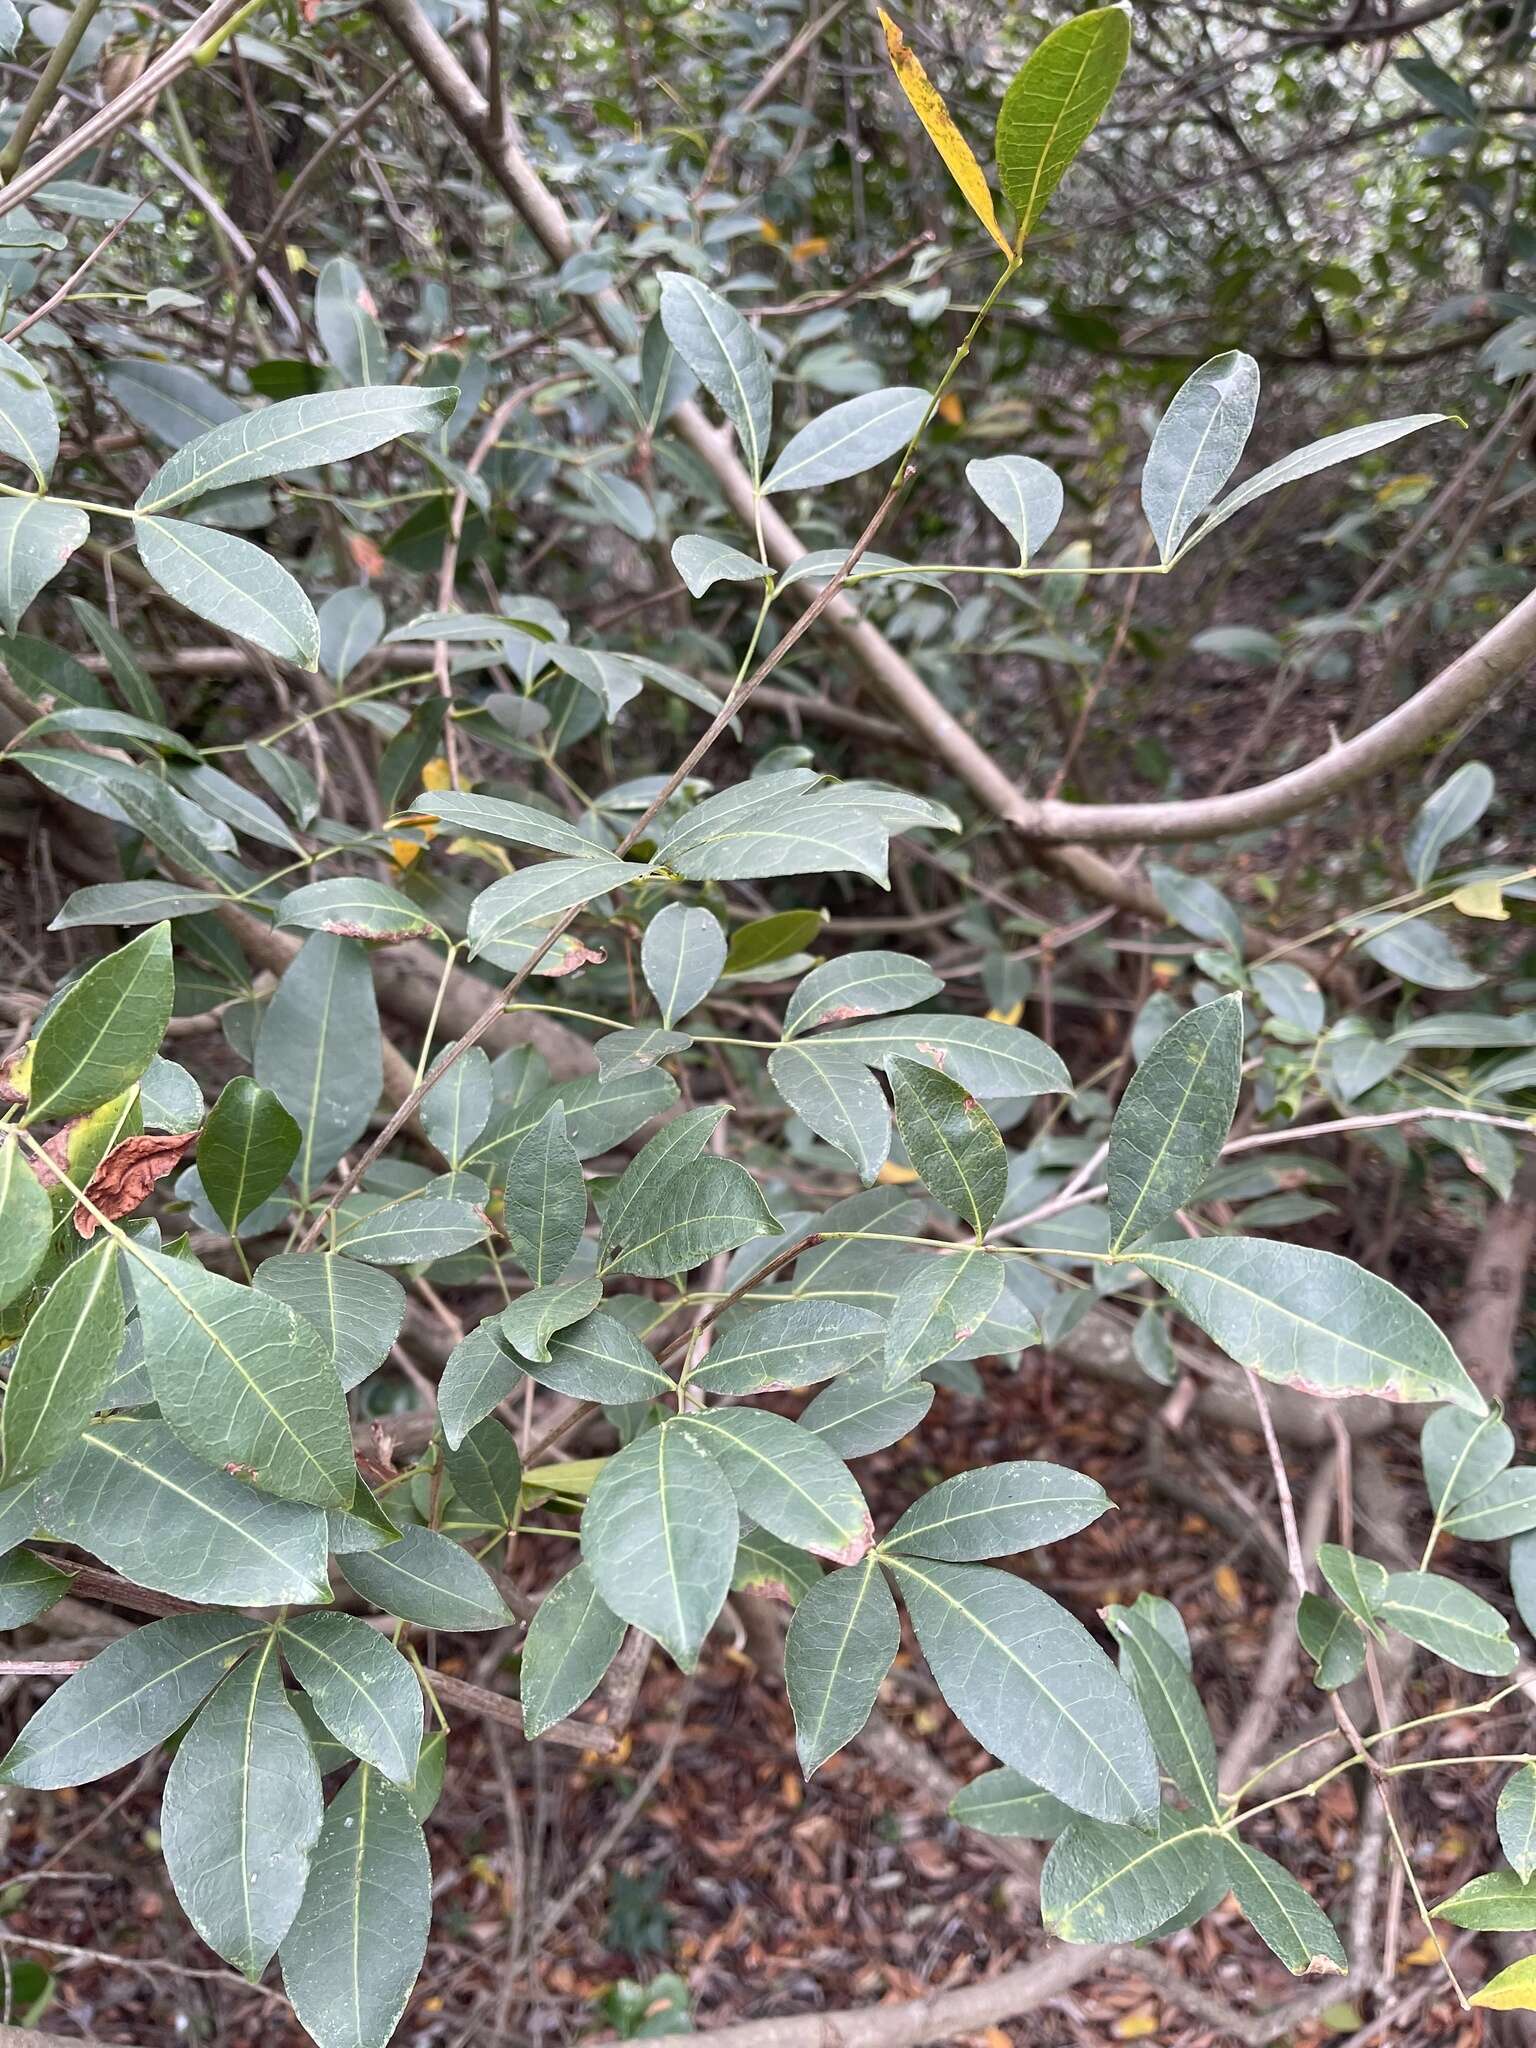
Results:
404 851
437 775
812 246
1425 1956
769 232
1481 899
893 1176
1229 1586
1009 1016
1513 1990
1135 2026
951 410
929 107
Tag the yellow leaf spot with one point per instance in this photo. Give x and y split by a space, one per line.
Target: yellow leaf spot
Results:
1135 2026
1481 899
437 775
1229 1586
1009 1016
769 232
951 411
809 249
929 107
1425 1957
404 851
893 1176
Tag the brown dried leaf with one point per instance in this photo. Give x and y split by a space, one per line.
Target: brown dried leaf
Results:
127 1174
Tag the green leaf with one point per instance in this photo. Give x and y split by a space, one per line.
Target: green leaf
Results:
1198 443
241 1812
702 563
26 1221
773 1569
1419 952
1323 454
764 940
360 1686
859 985
848 439
357 1310
137 1499
601 1111
426 1578
130 1697
725 355
1159 1677
29 427
233 585
433 1221
571 1641
543 1312
791 1344
1332 1639
1517 1821
659 1537
1500 1903
29 1586
246 1150
487 1473
841 1643
1311 1320
1360 1582
352 1954
786 1478
598 1359
1198 906
837 1096
676 1145
244 1380
1032 1686
104 1030
493 817
996 1510
519 908
354 908
37 538
1462 1454
1448 814
1174 1118
952 1143
479 1374
711 1206
1005 1802
346 321
1109 1883
635 1052
759 829
546 1199
1025 495
63 1365
1053 106
1286 1918
459 1106
860 1413
681 957
986 1057
128 903
1504 1507
1449 1619
351 625
946 1299
299 433
319 1050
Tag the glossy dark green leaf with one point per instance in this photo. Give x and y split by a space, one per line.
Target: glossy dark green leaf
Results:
859 985
352 1954
572 1639
841 1643
1462 1454
246 1149
1311 1320
357 1310
104 1030
599 1359
860 1413
658 1535
361 1687
136 1498
131 1696
29 1586
433 1221
984 1056
1174 1118
26 1221
459 1106
1032 1686
29 427
1359 1582
791 1344
244 1380
712 1205
241 1813
319 1050
426 1578
546 1199
1113 1883
519 909
63 1365
996 1510
1450 1619
952 1143
787 1479
1005 1802
676 1145
838 1097
487 1472
479 1374
1287 1918
1332 1639
943 1302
